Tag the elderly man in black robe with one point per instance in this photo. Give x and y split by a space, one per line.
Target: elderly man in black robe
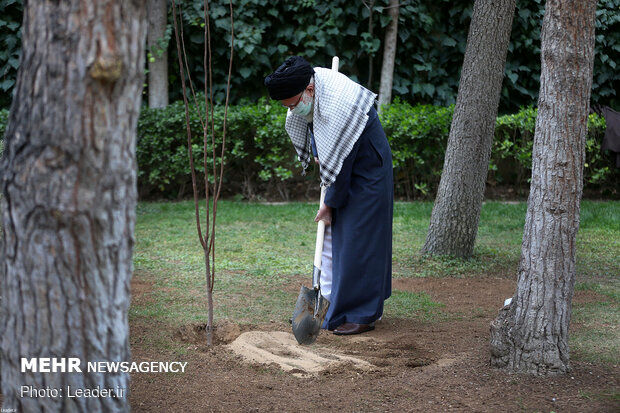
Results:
333 116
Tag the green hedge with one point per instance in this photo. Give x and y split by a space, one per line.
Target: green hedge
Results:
260 160
418 137
511 156
261 163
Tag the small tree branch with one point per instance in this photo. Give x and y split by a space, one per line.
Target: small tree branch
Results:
208 112
219 184
188 127
211 107
189 75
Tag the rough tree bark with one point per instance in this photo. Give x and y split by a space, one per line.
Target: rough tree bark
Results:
531 333
157 12
454 220
389 54
69 194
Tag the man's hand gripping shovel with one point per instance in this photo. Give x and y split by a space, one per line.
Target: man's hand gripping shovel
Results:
311 306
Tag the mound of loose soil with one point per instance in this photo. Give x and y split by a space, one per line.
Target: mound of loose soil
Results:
281 348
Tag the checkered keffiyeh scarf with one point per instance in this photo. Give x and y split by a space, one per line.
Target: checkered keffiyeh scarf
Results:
340 114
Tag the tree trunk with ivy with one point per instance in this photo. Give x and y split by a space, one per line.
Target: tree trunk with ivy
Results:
454 220
531 333
389 55
69 195
157 11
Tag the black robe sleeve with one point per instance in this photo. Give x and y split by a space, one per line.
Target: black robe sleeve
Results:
337 194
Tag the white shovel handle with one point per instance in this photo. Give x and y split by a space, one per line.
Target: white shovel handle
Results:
320 236
335 62
320 231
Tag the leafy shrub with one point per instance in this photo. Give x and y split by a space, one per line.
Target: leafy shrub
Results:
4 118
511 156
418 136
261 162
260 159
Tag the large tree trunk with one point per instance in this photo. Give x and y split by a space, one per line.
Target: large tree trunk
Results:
454 220
157 11
389 54
69 194
531 334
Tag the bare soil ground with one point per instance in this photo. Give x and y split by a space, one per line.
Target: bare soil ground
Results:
416 365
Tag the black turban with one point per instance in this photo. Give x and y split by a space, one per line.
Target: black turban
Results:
290 79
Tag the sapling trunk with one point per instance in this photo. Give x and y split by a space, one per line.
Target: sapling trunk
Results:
209 327
207 240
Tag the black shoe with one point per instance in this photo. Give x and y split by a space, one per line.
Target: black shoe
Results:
348 329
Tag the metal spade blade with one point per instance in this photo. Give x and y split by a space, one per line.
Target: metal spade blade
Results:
309 315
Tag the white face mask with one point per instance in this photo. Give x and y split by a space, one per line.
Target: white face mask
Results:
303 108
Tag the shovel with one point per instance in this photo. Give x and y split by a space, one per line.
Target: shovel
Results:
311 306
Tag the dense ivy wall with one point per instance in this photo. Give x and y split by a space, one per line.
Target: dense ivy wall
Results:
10 46
431 43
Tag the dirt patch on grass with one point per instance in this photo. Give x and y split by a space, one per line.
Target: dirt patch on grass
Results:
586 297
416 366
485 294
462 294
141 288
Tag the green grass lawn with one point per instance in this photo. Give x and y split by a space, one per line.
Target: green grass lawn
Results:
261 248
